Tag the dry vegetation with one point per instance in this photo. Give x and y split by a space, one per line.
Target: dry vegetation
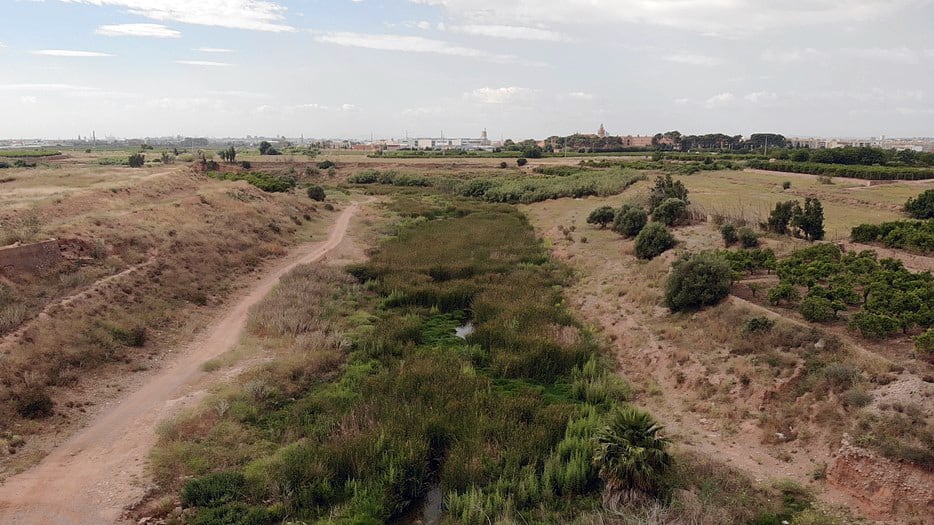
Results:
176 242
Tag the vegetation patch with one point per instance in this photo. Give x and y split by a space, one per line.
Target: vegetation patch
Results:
264 181
915 236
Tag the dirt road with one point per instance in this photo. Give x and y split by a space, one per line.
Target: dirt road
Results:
90 478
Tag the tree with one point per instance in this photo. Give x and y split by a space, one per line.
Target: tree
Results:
137 160
602 216
316 193
783 292
728 232
801 155
265 148
698 280
924 343
921 207
522 161
670 211
231 156
817 309
632 456
666 188
780 216
630 220
653 240
810 220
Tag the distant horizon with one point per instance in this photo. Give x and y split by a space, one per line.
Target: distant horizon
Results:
348 68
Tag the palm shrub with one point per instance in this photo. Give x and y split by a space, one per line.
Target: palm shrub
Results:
653 240
632 456
698 280
629 221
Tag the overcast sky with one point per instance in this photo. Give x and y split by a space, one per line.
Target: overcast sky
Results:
520 68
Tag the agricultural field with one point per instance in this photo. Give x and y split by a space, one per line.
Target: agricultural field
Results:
481 346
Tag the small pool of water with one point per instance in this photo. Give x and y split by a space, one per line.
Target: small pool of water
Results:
464 330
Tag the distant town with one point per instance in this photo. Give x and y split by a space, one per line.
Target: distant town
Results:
600 141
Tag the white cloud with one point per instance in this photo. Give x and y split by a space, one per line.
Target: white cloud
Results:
901 55
214 50
28 99
410 44
723 18
580 95
147 30
236 93
694 60
257 15
761 97
43 87
509 32
788 56
323 107
503 95
719 100
681 101
205 63
69 53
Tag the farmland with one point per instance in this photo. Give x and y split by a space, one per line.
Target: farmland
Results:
475 349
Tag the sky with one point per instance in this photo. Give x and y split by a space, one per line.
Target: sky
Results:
519 68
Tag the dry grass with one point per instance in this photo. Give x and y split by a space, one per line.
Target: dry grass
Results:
200 234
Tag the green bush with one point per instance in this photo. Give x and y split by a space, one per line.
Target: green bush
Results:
234 514
728 232
786 185
213 489
246 164
653 240
602 216
503 165
748 238
670 211
758 324
838 170
924 343
316 193
264 181
629 221
817 309
783 292
666 188
137 160
921 207
696 281
325 165
904 235
874 326
522 161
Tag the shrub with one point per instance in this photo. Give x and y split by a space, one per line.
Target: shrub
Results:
629 221
817 309
781 215
758 324
748 238
34 403
786 184
213 489
666 188
503 165
810 219
134 336
783 292
633 458
728 232
325 165
653 240
316 193
921 207
670 211
234 514
696 281
246 164
874 326
602 216
924 343
137 160
522 161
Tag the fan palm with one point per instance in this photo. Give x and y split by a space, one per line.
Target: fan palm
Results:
632 456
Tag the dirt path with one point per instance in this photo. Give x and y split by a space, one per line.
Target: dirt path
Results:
7 340
94 475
